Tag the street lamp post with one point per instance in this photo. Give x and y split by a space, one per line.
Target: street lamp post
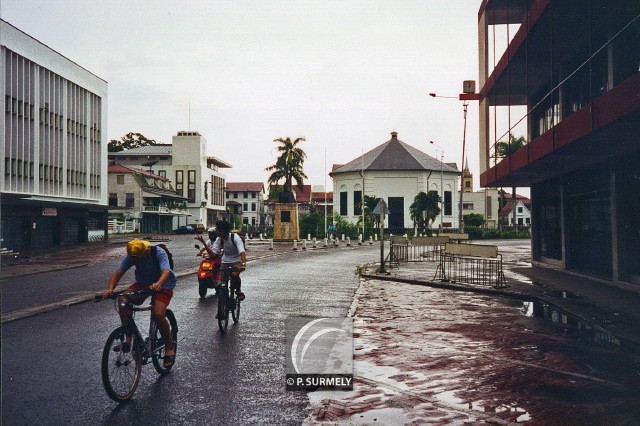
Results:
466 96
441 182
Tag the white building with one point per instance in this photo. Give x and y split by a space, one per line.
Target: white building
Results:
195 175
396 172
246 199
53 173
146 200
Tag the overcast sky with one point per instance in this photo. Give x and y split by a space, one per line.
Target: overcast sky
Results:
342 74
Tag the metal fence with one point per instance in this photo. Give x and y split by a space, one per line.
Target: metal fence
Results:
471 264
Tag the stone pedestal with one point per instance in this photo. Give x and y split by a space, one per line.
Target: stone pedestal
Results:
286 226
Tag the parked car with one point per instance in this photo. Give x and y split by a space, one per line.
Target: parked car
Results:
198 228
185 229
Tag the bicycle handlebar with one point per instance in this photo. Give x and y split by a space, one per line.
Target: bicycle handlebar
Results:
125 293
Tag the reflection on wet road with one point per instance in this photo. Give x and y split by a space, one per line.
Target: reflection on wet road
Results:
467 357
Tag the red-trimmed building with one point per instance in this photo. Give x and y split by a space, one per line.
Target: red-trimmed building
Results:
569 82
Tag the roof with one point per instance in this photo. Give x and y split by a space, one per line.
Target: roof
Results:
321 195
394 155
160 149
245 187
507 209
121 168
302 195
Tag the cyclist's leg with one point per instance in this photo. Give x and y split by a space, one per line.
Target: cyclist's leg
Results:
125 313
160 302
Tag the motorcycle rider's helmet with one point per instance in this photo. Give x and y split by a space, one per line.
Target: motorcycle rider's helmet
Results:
212 234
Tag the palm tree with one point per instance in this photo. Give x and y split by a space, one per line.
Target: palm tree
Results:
424 209
504 149
288 166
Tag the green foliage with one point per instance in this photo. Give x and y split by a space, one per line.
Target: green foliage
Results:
473 219
312 224
475 232
235 221
128 141
424 209
289 165
504 149
343 226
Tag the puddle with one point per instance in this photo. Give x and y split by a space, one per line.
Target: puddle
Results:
611 355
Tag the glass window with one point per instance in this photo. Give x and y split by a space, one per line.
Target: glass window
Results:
343 203
253 207
120 179
447 203
357 203
113 199
129 201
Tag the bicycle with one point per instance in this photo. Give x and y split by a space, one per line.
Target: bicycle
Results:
121 370
228 300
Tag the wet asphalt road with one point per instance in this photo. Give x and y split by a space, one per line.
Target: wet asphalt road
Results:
51 361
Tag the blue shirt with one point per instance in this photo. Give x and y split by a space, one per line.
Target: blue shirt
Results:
147 272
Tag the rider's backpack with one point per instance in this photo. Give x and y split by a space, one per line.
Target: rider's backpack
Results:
155 255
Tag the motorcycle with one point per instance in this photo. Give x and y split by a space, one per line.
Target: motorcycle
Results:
208 274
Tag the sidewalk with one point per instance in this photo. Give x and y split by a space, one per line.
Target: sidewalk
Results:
612 308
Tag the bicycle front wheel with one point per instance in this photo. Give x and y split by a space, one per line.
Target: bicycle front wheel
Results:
157 343
235 311
121 366
223 309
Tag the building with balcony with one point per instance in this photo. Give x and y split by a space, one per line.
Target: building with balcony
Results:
396 172
565 76
146 199
195 175
246 199
53 173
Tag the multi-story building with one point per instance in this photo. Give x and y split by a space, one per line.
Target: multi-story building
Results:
396 172
53 176
568 82
147 199
246 199
195 175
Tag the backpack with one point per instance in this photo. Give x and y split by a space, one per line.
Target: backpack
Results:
154 251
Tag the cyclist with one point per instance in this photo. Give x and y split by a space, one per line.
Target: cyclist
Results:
151 274
221 240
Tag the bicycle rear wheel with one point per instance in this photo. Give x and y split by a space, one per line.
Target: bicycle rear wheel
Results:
157 343
223 309
121 370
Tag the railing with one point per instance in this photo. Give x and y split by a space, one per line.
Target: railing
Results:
417 249
471 264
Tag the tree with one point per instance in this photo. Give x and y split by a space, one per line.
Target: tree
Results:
370 203
128 141
473 219
504 149
288 166
424 209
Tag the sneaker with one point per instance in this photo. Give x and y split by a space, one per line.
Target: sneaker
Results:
240 296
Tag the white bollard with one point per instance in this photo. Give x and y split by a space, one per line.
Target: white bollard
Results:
342 237
370 240
348 241
359 239
271 244
304 244
326 242
308 236
314 242
295 244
